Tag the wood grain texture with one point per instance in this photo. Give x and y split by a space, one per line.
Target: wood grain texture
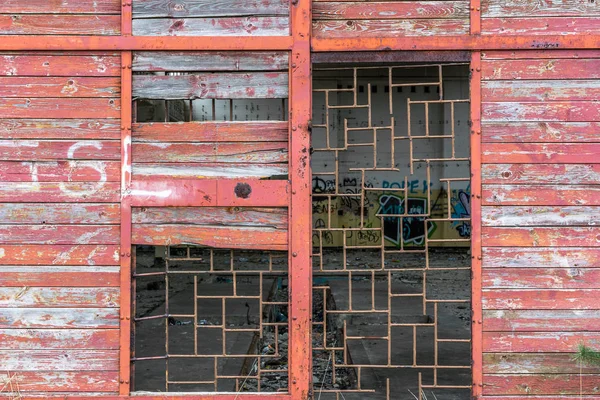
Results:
541 26
60 7
553 68
18 86
60 108
74 129
540 216
226 131
72 381
553 174
540 236
59 276
24 24
389 27
59 360
59 318
59 213
571 111
208 8
549 132
59 234
537 299
28 254
541 384
51 192
267 152
541 153
533 363
538 342
58 297
538 8
255 85
541 278
32 339
540 90
539 54
541 195
541 320
46 150
539 257
348 10
59 65
59 171
197 61
220 26
161 171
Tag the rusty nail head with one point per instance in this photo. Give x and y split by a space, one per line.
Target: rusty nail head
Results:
294 381
295 254
294 128
295 318
242 190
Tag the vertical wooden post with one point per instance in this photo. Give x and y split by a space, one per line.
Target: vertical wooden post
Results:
125 251
475 20
477 317
300 265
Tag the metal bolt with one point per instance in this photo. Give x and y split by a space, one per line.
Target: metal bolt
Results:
295 254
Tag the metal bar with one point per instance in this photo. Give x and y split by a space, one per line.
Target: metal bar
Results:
476 254
300 208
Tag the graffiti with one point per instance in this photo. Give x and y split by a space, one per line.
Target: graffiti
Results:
415 186
461 208
412 230
320 185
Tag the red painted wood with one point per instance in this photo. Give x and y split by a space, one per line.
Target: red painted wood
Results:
389 10
552 257
59 65
541 278
501 363
59 234
58 171
43 150
217 26
195 61
541 26
59 360
541 69
541 90
374 28
557 174
532 195
58 297
71 192
72 381
255 152
541 153
537 53
60 24
59 213
541 236
209 8
535 299
533 386
53 276
260 131
265 193
60 108
538 342
560 132
534 9
73 129
28 254
574 111
19 86
541 320
541 216
59 318
166 171
60 7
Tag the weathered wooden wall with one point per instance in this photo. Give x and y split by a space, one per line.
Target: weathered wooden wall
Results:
360 19
59 221
541 243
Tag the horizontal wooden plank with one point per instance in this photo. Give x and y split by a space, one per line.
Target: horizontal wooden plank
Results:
540 195
533 363
24 24
558 68
540 90
540 153
576 111
59 255
208 8
541 320
58 171
389 27
390 10
538 8
255 85
213 131
33 86
557 174
45 150
196 61
536 299
150 172
60 7
533 385
227 216
48 192
539 257
220 26
59 360
538 342
39 339
58 297
59 65
236 237
540 236
539 53
541 278
540 216
549 132
60 108
59 318
541 26
59 276
254 152
74 129
59 213
59 234
51 381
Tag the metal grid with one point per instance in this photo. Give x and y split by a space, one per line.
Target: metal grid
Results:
210 320
353 144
